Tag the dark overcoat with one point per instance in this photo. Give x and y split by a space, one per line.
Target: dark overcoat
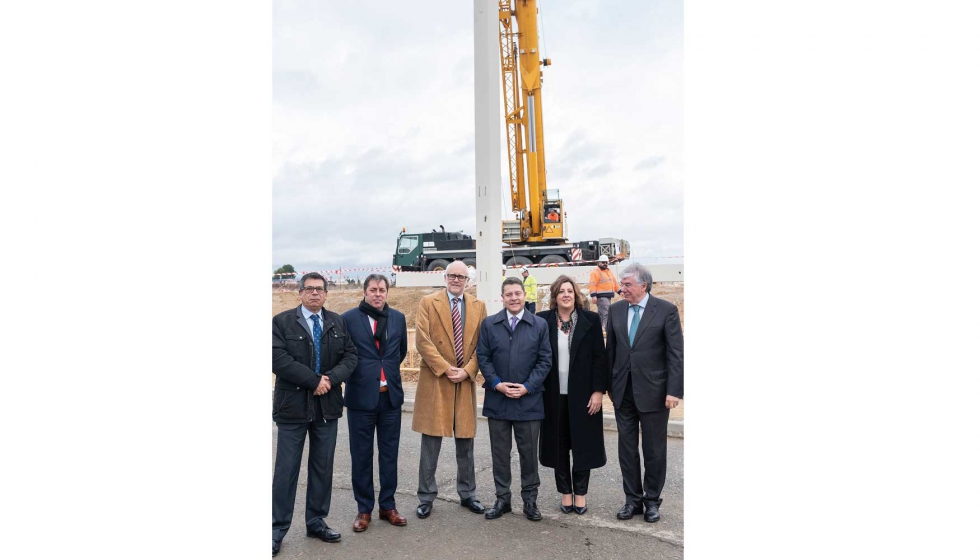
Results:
587 371
293 361
519 356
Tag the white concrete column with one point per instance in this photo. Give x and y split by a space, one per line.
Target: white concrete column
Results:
486 51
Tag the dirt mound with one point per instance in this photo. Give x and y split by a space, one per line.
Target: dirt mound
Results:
405 300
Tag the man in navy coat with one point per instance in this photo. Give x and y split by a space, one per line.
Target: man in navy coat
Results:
514 352
374 400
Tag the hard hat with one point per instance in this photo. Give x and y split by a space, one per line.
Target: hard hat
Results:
523 269
603 258
503 266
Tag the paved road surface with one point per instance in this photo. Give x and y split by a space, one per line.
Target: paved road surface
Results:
452 531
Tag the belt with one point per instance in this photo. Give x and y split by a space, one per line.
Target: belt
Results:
384 388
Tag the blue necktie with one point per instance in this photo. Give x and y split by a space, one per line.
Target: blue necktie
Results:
513 322
317 333
635 322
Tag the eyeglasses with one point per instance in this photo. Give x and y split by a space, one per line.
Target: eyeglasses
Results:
314 289
457 277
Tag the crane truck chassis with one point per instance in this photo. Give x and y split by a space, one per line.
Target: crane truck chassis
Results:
435 250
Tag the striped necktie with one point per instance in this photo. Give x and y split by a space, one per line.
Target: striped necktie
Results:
457 333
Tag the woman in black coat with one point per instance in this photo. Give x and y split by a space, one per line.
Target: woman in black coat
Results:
573 394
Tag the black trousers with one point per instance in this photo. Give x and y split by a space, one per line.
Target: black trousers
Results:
526 433
566 479
386 419
319 475
530 306
629 422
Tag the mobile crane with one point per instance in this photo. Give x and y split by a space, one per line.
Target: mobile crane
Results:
537 235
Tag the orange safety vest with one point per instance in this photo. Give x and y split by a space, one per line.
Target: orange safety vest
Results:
602 282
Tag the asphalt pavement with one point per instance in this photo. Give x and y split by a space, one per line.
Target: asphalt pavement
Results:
454 532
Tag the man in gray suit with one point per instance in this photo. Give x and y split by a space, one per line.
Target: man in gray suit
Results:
646 357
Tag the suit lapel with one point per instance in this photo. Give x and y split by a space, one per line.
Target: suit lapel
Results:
471 326
646 318
580 328
442 307
367 326
553 334
302 321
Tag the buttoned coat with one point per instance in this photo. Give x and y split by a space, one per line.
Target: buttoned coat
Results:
444 408
519 356
655 360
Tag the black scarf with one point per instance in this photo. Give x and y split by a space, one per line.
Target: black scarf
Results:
380 333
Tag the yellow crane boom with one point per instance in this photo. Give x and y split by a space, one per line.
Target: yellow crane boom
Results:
540 217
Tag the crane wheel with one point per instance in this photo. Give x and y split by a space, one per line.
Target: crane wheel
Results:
553 259
437 265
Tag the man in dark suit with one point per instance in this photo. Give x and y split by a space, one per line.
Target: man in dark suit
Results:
373 396
514 351
312 354
646 357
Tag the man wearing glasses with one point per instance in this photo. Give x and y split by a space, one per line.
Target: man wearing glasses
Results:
646 355
312 354
446 330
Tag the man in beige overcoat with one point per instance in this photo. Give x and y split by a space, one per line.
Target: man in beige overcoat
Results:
446 330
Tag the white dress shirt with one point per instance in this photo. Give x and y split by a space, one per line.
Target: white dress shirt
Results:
307 313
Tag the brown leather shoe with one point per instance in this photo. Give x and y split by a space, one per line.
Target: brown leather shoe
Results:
392 516
361 522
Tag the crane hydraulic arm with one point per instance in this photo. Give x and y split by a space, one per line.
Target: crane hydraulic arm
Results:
540 218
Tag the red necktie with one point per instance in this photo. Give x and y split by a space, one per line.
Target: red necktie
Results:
377 343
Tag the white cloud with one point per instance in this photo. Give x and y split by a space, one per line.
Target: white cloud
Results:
373 124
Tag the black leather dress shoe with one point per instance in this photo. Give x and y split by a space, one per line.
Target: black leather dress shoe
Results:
325 534
275 547
531 511
629 511
582 510
566 509
652 514
473 504
423 510
499 508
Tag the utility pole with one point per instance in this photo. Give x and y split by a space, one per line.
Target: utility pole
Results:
486 51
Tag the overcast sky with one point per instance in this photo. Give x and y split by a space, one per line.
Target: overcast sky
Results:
373 124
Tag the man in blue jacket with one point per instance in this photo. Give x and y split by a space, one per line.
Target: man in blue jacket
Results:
514 353
374 398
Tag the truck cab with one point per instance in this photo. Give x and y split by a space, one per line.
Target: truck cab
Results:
408 250
433 251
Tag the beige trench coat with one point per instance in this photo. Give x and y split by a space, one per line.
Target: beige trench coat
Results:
439 403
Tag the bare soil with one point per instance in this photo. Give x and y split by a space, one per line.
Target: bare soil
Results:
406 300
